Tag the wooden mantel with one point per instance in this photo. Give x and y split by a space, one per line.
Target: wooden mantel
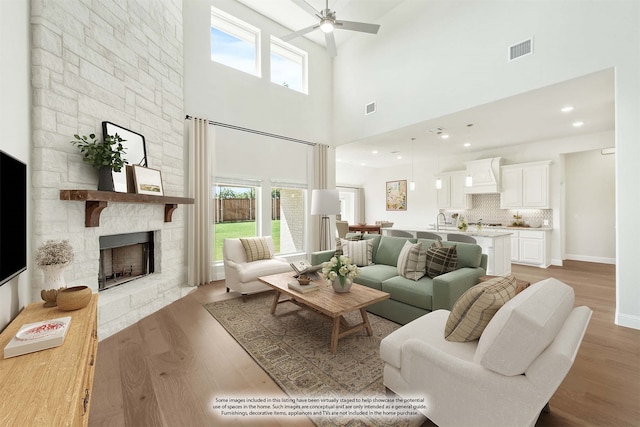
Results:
96 201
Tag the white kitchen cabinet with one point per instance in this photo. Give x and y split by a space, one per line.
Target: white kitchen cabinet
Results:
525 186
530 247
515 246
452 194
497 250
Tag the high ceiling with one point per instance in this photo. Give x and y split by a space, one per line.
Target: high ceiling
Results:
293 17
527 117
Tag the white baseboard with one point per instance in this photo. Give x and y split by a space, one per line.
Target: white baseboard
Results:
628 320
587 258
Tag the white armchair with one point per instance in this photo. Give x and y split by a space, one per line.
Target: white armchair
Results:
503 379
242 276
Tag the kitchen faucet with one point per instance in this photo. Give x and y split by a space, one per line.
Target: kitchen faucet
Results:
438 220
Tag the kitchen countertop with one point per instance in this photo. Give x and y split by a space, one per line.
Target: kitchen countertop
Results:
471 231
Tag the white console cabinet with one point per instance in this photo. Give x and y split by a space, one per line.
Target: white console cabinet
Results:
525 186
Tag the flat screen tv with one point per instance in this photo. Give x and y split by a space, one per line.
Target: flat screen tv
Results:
13 217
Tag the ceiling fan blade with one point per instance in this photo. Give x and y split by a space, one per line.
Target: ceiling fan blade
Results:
306 6
358 26
331 44
299 33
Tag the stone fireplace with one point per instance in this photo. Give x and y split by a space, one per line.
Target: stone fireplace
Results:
124 258
82 75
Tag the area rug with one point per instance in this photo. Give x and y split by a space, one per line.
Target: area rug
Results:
293 347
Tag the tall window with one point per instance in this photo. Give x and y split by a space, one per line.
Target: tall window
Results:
288 65
234 43
235 208
288 218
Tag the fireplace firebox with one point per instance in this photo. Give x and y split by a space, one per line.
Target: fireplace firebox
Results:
125 257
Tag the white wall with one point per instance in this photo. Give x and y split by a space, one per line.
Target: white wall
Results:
223 94
458 60
590 207
15 100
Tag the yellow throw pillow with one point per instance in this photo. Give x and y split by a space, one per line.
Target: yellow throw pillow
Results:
256 248
476 307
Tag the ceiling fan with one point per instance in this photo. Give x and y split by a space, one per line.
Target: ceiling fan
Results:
327 24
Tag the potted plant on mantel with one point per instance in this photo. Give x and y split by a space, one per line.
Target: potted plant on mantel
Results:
105 156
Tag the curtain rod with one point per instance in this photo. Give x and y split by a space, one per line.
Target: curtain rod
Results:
258 132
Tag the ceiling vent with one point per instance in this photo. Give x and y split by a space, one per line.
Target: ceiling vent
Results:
370 108
521 49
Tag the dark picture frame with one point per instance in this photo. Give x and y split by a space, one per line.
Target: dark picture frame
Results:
135 152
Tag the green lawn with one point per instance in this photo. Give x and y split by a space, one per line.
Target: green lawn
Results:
242 229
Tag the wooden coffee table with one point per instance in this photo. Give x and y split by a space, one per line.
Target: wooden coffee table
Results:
329 303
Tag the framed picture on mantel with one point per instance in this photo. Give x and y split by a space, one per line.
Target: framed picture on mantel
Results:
396 195
147 181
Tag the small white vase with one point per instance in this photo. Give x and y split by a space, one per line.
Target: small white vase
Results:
53 276
339 288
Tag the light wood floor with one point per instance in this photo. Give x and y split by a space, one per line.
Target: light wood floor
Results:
167 369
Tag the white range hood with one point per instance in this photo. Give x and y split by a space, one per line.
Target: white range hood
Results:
485 174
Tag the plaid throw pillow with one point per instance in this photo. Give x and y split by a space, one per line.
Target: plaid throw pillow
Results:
412 261
472 312
441 260
256 248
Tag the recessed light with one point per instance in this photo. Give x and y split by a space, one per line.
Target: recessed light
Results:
467 144
399 157
374 152
363 164
567 109
444 136
577 124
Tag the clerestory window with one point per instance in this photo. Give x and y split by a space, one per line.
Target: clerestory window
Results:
234 43
288 66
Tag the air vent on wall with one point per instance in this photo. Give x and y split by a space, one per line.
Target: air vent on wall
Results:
370 108
521 49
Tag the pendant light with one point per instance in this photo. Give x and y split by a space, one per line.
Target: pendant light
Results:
468 181
438 179
412 183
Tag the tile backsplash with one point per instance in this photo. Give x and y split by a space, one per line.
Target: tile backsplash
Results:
487 208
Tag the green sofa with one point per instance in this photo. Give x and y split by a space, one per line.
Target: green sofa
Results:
411 299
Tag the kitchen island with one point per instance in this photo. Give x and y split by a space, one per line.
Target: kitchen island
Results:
496 244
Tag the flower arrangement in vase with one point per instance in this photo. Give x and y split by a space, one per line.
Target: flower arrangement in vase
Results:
340 272
53 257
462 223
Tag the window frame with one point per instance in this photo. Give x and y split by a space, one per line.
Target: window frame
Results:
292 53
237 183
239 29
279 185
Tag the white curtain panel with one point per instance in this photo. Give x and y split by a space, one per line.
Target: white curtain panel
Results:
321 160
201 147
